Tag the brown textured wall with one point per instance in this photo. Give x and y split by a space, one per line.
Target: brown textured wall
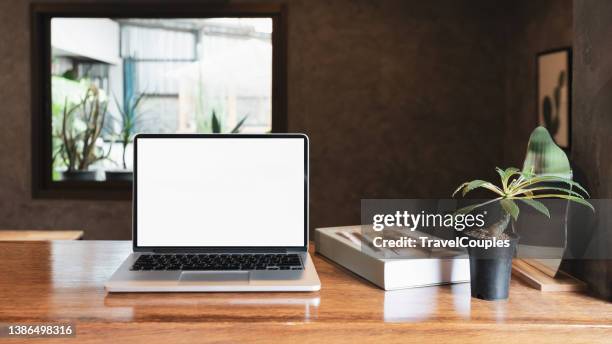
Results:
547 24
400 98
536 26
592 120
17 209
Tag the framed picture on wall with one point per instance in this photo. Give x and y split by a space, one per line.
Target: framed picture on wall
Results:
554 68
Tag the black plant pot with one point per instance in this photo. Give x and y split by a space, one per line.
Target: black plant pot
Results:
490 270
78 175
121 175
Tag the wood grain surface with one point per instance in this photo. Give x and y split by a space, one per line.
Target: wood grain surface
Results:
27 235
62 281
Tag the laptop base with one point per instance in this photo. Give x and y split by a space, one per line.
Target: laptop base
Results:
125 280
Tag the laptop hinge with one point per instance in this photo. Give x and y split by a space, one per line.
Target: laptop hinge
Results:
299 249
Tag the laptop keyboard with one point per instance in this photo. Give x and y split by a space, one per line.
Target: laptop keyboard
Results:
208 262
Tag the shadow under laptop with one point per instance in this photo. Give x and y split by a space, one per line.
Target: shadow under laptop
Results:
213 307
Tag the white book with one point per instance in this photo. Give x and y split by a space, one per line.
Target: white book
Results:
416 268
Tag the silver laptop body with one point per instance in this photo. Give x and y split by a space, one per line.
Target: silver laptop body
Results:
219 213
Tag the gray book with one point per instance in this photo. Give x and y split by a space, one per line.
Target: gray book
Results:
390 269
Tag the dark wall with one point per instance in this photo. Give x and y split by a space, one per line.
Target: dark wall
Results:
17 209
542 25
400 98
536 26
592 121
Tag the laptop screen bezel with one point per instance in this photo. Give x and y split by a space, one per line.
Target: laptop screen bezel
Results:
238 249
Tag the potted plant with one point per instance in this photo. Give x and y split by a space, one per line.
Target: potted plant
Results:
490 268
129 119
79 136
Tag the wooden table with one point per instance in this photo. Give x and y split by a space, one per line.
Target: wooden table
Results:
63 281
28 235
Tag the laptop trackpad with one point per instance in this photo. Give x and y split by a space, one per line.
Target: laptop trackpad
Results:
215 276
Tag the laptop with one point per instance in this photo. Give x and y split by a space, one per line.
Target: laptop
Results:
219 213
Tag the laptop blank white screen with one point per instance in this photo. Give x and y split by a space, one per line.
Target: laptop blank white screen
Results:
211 192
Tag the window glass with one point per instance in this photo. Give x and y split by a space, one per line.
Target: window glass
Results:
113 78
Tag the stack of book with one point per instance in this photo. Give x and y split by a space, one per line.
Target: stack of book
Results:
391 268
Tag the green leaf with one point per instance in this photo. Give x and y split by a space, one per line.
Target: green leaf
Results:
139 98
568 197
510 171
240 123
506 175
551 179
510 207
516 181
537 205
216 126
528 174
494 189
459 189
529 192
500 172
474 184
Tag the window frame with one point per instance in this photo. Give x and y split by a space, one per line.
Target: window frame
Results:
41 13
